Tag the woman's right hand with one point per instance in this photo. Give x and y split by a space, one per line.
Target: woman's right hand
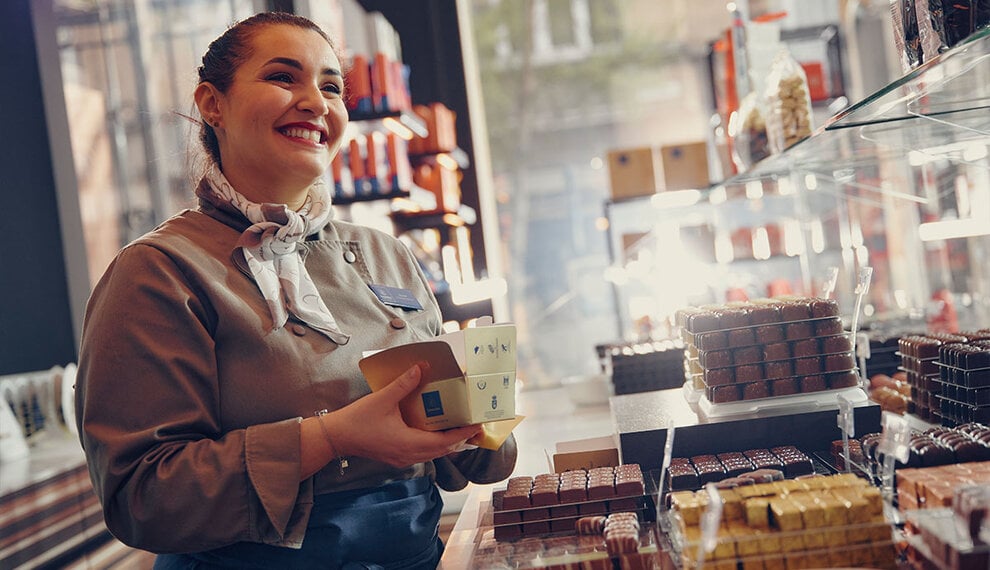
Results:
373 427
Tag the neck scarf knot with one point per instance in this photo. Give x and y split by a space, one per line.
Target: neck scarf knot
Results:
270 248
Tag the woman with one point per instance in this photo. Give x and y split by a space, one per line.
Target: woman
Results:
223 414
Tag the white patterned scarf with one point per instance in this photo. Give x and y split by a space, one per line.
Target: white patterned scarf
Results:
270 247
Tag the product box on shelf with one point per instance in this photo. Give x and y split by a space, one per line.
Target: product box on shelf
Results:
684 166
470 377
633 172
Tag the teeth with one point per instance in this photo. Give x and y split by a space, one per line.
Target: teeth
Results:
302 133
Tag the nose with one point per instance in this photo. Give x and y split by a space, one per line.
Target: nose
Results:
312 99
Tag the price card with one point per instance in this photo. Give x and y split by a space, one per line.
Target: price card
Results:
711 519
894 446
831 275
847 425
668 452
862 287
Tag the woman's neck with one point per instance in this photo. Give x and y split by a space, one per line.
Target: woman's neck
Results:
268 192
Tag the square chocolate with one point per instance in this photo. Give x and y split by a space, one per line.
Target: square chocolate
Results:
747 355
749 373
741 337
805 366
813 383
777 351
828 327
756 390
719 376
800 329
779 369
766 334
784 387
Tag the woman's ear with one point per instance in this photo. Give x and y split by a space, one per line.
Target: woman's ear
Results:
207 99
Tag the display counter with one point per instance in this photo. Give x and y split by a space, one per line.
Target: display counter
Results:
641 423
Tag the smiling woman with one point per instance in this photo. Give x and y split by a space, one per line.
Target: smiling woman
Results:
211 342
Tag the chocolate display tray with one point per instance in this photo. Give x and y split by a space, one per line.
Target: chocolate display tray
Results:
965 377
551 520
819 467
810 401
740 337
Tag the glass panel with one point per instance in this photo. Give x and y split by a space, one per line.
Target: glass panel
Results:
129 69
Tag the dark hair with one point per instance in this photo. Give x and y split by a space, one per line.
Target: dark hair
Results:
230 50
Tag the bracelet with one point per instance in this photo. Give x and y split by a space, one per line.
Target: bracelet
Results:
341 461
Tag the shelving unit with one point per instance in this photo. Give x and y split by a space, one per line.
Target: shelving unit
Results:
899 182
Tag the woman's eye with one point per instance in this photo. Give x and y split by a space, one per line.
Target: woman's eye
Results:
332 88
281 77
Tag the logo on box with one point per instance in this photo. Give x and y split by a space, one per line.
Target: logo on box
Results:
432 404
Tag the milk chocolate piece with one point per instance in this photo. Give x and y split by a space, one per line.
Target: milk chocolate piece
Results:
839 362
779 369
715 358
506 517
590 525
800 329
777 351
747 355
766 334
683 477
723 394
710 472
828 327
543 496
763 314
749 373
741 337
600 489
842 380
712 340
530 515
703 322
796 311
617 543
813 383
756 390
535 528
784 387
733 318
808 365
508 532
834 344
719 376
515 499
824 308
805 347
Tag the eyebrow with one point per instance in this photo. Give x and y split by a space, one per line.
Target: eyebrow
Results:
296 64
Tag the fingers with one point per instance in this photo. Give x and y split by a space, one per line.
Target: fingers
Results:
404 384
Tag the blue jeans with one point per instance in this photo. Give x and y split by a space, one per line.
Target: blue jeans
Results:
392 527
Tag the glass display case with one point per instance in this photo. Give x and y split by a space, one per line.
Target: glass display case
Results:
898 182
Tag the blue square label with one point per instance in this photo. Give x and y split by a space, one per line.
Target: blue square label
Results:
432 404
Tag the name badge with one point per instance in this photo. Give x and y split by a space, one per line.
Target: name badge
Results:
396 297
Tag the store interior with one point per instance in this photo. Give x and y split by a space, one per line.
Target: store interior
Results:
620 182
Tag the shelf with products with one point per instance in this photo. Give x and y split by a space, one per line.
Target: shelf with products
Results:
899 182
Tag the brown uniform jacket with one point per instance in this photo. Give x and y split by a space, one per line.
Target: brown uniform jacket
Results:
189 403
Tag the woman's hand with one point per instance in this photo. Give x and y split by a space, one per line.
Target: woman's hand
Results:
373 427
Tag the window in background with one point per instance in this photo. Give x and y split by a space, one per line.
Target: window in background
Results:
564 82
128 70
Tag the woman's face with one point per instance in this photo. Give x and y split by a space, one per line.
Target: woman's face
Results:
283 117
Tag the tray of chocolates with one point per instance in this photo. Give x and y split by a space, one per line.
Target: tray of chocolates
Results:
949 375
824 521
628 549
741 468
551 503
766 349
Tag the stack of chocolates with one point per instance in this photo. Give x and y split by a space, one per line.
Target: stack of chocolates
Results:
566 552
964 380
936 446
734 469
934 487
767 348
551 502
919 358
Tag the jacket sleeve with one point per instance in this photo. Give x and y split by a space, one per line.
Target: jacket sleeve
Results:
482 466
169 476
